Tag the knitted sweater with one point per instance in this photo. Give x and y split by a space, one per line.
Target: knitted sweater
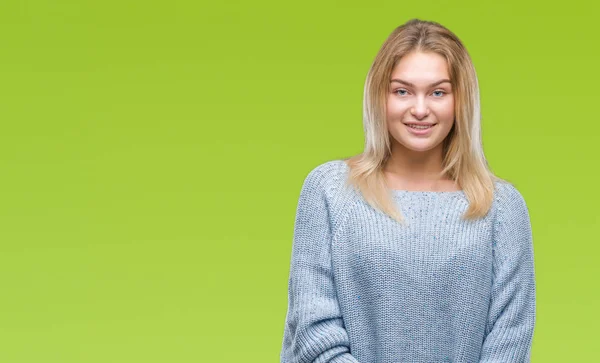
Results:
364 288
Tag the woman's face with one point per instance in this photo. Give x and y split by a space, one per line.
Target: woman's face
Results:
420 93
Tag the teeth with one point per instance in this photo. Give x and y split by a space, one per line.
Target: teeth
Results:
419 127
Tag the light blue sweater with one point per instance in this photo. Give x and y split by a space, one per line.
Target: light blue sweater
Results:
364 288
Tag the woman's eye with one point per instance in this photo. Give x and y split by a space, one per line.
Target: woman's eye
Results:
403 90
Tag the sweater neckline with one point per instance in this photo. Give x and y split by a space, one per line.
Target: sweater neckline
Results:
425 192
403 192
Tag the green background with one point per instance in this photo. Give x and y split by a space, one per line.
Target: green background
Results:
152 155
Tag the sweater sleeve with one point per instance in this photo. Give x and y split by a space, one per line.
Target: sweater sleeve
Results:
511 317
314 327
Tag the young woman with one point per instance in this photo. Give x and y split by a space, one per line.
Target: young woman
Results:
413 251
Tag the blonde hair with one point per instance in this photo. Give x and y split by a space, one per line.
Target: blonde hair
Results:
463 157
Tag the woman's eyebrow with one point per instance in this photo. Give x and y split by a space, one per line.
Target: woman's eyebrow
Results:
412 85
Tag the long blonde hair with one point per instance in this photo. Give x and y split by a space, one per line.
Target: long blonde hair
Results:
463 160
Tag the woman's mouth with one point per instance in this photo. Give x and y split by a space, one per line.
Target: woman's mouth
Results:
420 130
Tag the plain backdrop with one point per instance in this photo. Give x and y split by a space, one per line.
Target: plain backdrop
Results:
152 154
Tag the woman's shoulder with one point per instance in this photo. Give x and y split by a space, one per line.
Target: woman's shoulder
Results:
506 192
335 166
328 175
509 201
327 183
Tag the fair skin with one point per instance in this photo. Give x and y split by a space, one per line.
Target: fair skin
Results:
416 160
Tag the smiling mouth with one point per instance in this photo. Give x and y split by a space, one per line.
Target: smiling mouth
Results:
420 127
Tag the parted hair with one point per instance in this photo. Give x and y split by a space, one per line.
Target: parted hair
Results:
463 157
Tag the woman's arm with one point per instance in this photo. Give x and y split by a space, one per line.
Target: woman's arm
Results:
314 327
511 318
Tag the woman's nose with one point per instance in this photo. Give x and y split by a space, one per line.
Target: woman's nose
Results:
420 110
